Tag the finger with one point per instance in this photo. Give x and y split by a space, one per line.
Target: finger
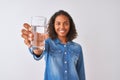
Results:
27 26
27 42
30 36
24 36
24 31
30 33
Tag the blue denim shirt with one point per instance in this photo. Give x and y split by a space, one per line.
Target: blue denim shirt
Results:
63 61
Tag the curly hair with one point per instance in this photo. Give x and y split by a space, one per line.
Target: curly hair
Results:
72 34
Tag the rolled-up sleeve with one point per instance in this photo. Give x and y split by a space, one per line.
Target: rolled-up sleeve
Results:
35 56
44 51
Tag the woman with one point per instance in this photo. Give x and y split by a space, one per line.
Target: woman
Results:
64 58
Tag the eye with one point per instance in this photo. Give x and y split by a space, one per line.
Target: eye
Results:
66 23
57 23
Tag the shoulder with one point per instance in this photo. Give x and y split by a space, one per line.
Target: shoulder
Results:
75 46
48 40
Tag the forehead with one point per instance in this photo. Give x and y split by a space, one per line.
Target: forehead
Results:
61 18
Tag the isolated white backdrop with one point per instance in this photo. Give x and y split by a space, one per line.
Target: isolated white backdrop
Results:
98 26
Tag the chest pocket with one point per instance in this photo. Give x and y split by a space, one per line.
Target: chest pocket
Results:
55 52
74 56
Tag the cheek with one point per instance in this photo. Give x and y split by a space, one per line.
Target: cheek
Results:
55 28
68 28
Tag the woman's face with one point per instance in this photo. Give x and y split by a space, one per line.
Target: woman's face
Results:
61 26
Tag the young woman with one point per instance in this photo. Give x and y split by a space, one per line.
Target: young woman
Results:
64 58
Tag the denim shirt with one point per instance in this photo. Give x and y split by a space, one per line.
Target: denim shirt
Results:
63 61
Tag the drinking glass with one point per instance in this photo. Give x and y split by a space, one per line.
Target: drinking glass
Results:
38 24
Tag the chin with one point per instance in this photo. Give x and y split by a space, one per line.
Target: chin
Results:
63 35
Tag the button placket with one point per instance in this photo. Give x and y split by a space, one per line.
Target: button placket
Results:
65 63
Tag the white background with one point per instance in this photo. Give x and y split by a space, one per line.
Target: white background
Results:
98 26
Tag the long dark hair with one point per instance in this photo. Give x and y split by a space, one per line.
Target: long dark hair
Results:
72 34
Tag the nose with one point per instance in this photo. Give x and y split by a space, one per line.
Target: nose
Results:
62 25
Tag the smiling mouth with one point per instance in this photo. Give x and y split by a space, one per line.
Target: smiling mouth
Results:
62 31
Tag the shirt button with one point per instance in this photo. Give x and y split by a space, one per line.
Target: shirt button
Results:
65 53
65 62
65 71
64 45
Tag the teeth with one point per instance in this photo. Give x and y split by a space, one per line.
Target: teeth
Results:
62 31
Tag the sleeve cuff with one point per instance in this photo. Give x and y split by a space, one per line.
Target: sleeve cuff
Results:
36 57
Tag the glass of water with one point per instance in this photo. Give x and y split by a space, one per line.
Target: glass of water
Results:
38 24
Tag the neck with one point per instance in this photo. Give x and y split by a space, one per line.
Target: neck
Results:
63 40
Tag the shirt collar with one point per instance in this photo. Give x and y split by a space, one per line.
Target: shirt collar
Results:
59 42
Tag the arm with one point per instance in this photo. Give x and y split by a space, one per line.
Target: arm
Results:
39 54
28 38
80 66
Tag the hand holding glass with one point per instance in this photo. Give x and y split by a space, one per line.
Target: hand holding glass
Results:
38 24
